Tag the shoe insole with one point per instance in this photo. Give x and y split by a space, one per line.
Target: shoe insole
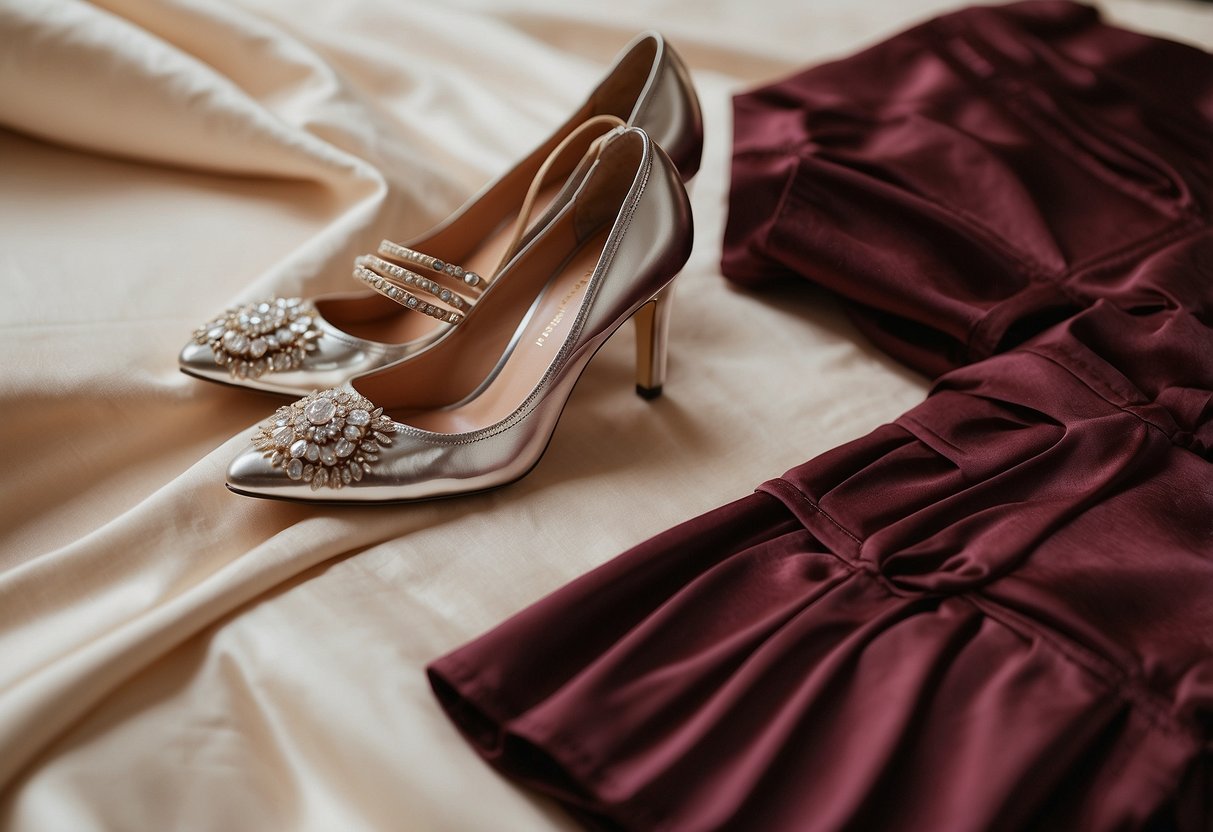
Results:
535 344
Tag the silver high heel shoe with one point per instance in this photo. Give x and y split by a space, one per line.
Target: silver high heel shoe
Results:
293 346
476 410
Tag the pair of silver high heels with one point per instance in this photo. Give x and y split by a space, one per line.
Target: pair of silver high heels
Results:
449 376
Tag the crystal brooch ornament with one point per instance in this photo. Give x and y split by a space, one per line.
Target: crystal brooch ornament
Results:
268 336
329 439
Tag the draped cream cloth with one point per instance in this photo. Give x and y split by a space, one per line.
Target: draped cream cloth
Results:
175 657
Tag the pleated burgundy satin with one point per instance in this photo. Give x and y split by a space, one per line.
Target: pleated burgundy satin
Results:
996 612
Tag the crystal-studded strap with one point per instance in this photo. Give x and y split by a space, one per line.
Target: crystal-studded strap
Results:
392 287
474 282
395 281
408 280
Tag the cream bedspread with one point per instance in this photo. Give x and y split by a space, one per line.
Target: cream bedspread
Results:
175 657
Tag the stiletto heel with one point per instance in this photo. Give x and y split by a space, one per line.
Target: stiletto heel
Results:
652 339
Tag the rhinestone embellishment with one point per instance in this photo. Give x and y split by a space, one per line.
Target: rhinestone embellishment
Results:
406 298
326 439
407 255
258 338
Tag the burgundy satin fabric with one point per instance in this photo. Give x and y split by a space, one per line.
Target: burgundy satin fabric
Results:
996 612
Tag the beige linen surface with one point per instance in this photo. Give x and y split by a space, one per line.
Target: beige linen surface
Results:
174 657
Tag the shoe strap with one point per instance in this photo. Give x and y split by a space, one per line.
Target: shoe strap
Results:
396 282
399 283
598 127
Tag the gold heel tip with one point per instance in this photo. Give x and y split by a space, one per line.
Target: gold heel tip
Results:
648 393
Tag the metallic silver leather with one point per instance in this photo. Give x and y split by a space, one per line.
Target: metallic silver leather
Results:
338 357
666 107
648 244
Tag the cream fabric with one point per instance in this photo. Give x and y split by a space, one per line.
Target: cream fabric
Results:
176 657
